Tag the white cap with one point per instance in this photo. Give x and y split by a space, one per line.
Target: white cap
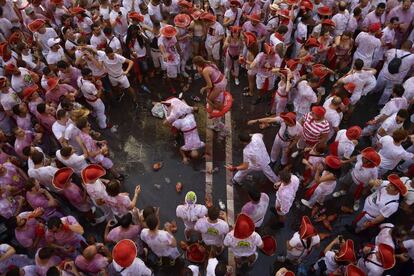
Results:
53 41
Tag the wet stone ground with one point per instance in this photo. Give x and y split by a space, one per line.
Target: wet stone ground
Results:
142 140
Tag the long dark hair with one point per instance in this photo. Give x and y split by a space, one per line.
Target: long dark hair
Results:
132 35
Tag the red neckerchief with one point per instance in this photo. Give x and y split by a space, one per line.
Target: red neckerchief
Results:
279 36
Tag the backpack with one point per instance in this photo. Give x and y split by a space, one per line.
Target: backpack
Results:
395 63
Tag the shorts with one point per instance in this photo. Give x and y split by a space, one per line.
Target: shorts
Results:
260 81
172 70
121 81
213 51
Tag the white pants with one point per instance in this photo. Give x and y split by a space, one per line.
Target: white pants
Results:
99 108
213 51
385 86
279 147
266 169
407 164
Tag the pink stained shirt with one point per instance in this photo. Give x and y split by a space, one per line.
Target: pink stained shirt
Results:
94 266
21 143
12 177
75 196
120 233
55 94
64 237
119 204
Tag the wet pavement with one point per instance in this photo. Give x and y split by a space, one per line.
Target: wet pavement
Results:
142 140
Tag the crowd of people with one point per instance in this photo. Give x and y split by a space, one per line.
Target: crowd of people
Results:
307 65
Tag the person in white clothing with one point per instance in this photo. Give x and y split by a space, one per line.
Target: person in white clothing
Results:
190 212
392 152
286 138
113 64
256 208
341 19
118 19
367 44
68 157
125 260
255 158
305 95
285 194
376 259
215 34
382 203
391 124
213 229
92 96
243 241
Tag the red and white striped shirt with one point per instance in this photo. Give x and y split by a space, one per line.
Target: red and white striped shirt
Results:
313 130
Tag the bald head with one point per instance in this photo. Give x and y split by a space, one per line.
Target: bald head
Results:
89 252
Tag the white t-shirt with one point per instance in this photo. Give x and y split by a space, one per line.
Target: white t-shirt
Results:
361 174
137 268
298 251
381 203
232 16
76 162
257 211
114 66
345 146
155 11
213 33
392 154
190 213
18 83
160 243
88 89
390 124
54 57
245 247
212 233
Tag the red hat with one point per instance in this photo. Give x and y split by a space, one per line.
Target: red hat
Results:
15 37
92 173
3 81
56 2
77 10
291 2
396 181
269 245
185 4
319 70
324 10
346 252
284 13
319 110
387 256
235 2
196 253
29 90
196 14
268 49
136 16
289 273
249 38
353 270
244 227
124 252
329 22
371 155
292 63
254 17
375 27
52 83
353 133
306 228
306 5
10 67
288 117
312 42
235 29
333 161
209 17
61 177
35 25
350 87
168 31
182 20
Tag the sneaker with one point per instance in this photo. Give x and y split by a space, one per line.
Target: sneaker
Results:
180 96
195 98
113 129
306 203
145 88
356 205
296 153
236 81
197 76
339 193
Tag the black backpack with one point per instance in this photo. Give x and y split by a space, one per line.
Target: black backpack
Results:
395 63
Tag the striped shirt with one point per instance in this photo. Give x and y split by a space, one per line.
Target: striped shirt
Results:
313 130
